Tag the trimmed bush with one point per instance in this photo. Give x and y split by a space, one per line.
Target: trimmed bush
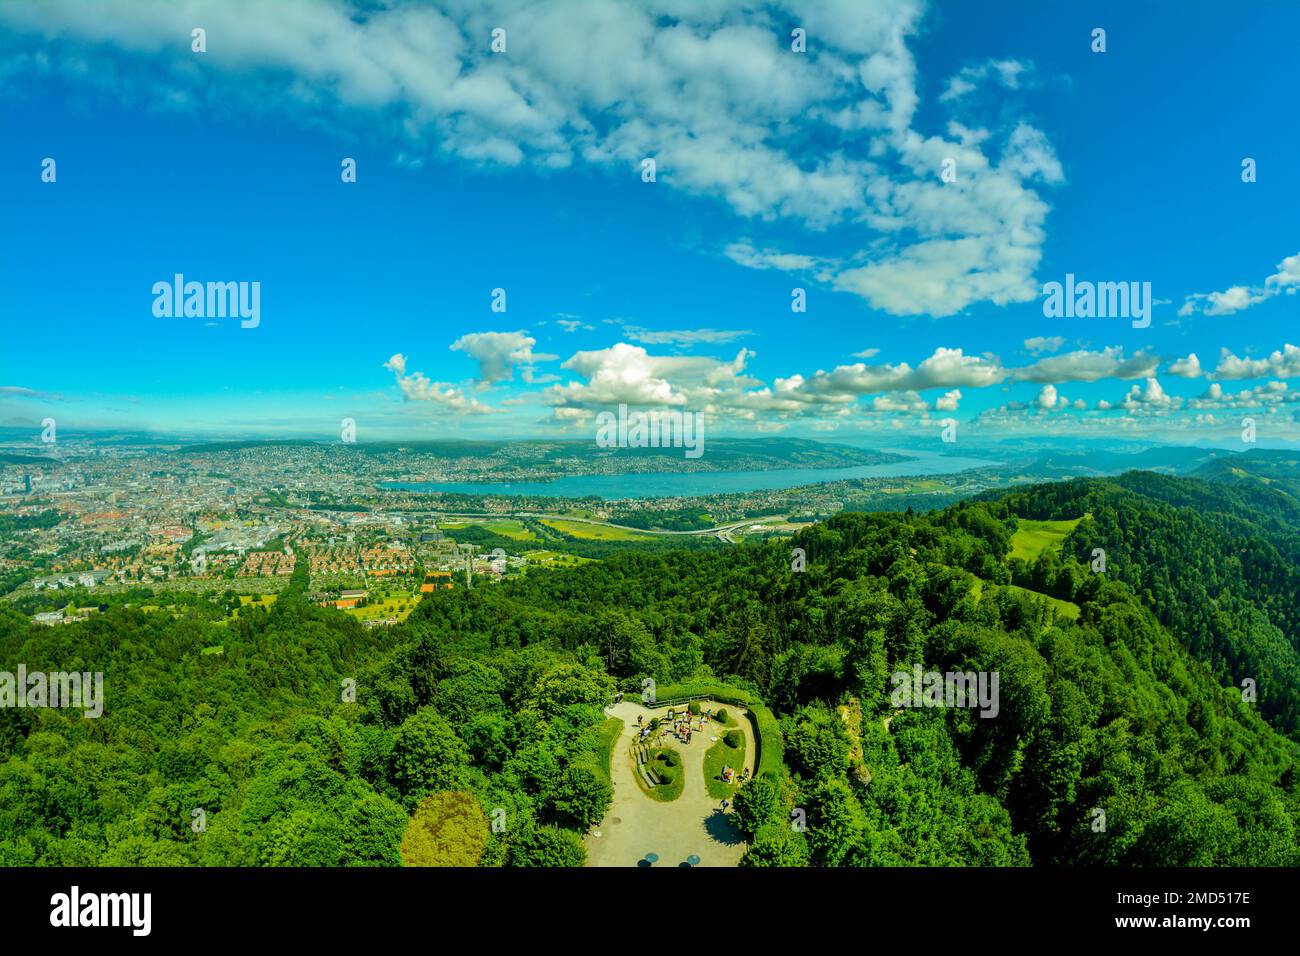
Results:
733 738
694 707
721 715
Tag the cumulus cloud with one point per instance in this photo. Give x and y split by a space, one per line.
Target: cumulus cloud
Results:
1270 393
977 239
1150 398
497 353
946 368
1286 280
417 387
1189 367
899 402
1283 363
1287 277
858 393
949 401
628 374
1230 300
1086 366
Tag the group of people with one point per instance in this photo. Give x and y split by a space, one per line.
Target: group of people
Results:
729 775
686 723
683 724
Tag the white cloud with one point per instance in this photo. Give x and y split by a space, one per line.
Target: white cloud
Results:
1227 302
1086 366
710 90
899 402
417 387
946 368
1238 297
497 353
1008 73
1042 345
1284 363
684 336
978 239
1270 393
1150 398
1189 367
628 374
744 254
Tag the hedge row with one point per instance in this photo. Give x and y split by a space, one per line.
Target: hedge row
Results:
770 743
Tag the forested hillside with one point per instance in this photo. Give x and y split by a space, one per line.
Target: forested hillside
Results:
1218 564
258 737
1117 740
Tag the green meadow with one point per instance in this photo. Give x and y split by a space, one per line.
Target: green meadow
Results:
1032 538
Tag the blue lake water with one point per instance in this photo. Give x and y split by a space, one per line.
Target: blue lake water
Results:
683 484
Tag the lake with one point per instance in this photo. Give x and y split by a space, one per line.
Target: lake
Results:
685 484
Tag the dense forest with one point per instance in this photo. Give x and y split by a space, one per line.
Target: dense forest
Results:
1218 565
1122 737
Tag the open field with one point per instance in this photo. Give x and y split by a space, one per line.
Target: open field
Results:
1032 538
594 532
397 606
246 599
556 559
507 528
715 758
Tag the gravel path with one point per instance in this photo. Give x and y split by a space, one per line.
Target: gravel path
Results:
693 824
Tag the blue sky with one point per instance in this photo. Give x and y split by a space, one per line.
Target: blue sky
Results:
775 170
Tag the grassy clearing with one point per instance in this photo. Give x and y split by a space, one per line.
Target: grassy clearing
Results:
594 532
508 528
556 559
912 487
718 756
1032 538
399 606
